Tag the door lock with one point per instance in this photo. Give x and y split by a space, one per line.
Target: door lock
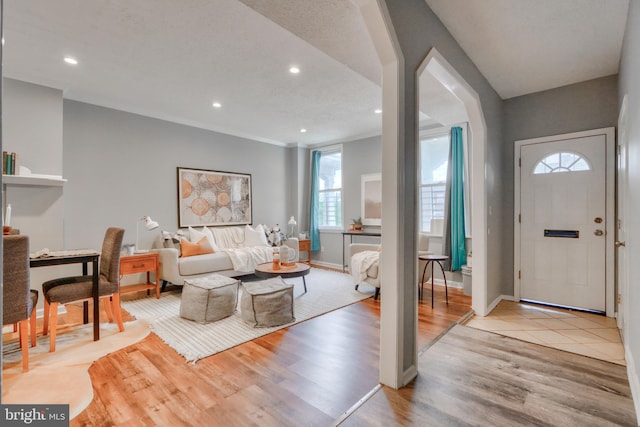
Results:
618 244
597 220
598 232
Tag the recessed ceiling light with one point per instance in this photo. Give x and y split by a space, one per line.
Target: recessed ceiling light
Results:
303 130
377 111
70 60
216 105
294 70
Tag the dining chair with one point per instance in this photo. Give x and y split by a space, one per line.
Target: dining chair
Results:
79 288
18 301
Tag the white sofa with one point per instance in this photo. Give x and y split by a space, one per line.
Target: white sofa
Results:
373 272
230 242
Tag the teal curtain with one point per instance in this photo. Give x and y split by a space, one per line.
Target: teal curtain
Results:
456 213
314 231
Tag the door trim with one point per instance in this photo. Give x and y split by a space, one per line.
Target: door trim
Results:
609 134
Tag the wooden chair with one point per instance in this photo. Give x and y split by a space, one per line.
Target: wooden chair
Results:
79 288
18 301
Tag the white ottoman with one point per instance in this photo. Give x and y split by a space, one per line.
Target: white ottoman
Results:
207 299
267 303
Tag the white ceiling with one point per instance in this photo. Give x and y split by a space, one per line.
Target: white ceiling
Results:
526 46
171 59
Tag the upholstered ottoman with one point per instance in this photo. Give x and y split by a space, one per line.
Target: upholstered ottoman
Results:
267 303
210 298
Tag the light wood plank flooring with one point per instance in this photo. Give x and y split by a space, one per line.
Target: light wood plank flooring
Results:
473 377
308 374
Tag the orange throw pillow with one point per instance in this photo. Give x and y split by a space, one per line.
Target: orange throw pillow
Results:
191 249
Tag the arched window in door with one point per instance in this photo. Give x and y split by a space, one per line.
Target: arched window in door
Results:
561 162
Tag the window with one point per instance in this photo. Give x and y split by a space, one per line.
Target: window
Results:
561 162
330 189
434 161
434 157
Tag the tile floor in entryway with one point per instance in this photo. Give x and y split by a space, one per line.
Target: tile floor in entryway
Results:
578 332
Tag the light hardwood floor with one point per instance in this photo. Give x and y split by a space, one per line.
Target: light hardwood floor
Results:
312 373
474 377
308 374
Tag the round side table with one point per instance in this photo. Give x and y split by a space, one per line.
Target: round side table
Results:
431 259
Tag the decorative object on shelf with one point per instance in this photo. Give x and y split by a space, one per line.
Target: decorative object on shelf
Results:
292 226
371 204
6 220
10 163
149 225
213 198
356 224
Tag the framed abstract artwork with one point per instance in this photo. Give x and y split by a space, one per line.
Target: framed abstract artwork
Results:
213 198
371 199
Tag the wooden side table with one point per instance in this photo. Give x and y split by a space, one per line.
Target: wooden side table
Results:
304 245
140 263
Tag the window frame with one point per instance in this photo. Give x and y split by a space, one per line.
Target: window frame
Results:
330 149
446 131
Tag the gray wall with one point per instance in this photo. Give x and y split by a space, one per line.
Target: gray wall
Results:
630 86
32 127
359 157
573 108
418 30
121 166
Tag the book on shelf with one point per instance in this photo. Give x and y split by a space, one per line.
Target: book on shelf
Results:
10 165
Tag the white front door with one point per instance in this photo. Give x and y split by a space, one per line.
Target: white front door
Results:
563 222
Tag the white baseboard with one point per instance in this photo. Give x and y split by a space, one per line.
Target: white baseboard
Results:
329 265
450 283
40 311
634 381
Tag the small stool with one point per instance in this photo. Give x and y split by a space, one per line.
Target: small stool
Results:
430 260
267 303
210 298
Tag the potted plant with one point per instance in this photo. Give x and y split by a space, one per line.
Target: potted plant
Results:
356 224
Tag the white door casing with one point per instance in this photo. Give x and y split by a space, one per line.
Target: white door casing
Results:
575 272
622 275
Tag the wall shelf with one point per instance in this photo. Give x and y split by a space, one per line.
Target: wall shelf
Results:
34 180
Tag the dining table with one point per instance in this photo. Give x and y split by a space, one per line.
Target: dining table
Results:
83 257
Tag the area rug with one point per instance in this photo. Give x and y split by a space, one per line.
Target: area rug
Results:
63 377
327 291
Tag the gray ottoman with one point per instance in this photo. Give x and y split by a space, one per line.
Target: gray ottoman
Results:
208 299
267 303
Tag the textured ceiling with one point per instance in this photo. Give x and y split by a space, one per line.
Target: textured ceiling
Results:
526 46
171 59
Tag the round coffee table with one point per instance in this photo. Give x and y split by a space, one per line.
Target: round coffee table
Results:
295 269
431 259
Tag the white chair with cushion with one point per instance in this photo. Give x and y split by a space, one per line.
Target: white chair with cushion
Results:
365 269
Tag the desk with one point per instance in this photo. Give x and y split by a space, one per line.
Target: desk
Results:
77 259
352 233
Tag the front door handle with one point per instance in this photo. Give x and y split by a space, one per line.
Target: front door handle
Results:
598 232
618 244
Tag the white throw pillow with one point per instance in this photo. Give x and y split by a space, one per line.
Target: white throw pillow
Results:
254 237
196 235
211 239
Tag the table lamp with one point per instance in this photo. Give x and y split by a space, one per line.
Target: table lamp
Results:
292 224
149 225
